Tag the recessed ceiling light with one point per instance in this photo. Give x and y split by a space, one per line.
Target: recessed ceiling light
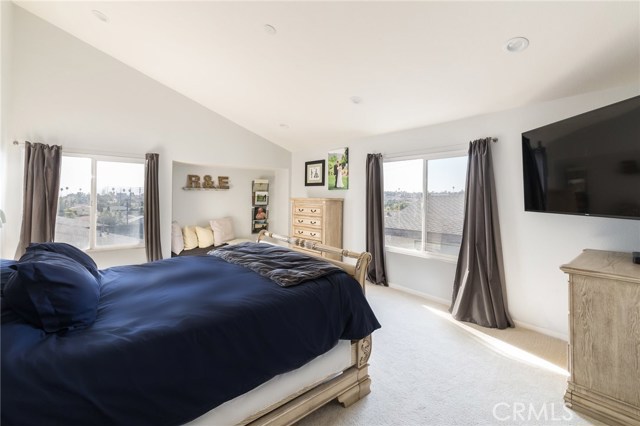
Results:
284 126
356 99
270 29
101 16
516 44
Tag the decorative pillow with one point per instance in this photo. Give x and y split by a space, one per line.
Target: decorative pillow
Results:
177 240
222 230
205 236
190 237
70 251
53 292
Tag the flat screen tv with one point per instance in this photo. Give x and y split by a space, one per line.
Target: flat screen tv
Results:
586 165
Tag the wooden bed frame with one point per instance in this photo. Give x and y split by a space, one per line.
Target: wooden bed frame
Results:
349 386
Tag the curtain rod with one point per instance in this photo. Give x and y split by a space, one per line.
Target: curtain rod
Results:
17 143
80 152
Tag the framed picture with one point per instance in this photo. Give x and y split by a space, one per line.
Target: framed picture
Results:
260 185
339 169
260 198
259 225
260 214
314 173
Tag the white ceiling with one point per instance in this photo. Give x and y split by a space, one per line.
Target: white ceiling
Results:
412 63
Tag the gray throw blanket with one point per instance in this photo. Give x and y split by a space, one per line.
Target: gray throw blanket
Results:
284 266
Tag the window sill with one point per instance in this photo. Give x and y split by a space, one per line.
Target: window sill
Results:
114 248
423 254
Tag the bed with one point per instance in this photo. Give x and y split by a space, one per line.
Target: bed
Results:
184 339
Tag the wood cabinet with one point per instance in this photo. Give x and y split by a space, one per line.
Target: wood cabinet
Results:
604 337
318 219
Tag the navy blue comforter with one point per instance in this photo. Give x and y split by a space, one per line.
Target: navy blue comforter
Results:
172 340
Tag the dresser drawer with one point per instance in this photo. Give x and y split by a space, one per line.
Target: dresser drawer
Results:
310 234
306 210
309 222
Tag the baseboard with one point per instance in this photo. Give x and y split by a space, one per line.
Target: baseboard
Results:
427 296
542 330
445 302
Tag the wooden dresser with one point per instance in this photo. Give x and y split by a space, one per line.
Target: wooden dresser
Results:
318 219
604 337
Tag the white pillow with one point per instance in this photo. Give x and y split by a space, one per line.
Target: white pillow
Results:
205 236
222 230
190 237
177 242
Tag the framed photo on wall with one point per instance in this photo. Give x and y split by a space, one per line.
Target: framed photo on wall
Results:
338 169
259 225
260 198
260 214
260 185
314 173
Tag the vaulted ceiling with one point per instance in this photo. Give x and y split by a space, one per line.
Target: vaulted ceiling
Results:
409 64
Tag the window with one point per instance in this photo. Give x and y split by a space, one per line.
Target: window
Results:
101 202
424 204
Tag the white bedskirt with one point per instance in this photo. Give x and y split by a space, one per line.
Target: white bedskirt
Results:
321 368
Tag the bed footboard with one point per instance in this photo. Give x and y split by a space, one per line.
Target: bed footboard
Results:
363 384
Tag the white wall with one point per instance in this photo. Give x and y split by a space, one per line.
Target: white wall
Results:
535 244
199 207
6 19
67 92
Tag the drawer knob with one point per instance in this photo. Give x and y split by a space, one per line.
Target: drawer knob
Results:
300 232
313 222
300 220
313 234
300 210
313 210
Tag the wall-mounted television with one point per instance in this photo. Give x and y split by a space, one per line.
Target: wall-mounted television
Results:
585 165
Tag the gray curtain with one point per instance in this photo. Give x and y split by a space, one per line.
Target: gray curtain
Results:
478 289
40 194
376 273
151 208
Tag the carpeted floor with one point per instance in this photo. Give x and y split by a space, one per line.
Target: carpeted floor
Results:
428 369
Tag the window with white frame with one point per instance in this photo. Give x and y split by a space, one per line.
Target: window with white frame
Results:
101 202
424 204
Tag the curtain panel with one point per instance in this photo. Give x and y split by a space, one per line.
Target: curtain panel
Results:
151 208
40 194
478 288
376 272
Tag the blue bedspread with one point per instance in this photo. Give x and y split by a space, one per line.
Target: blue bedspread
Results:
172 340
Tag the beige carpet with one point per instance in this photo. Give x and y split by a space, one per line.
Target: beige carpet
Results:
428 369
